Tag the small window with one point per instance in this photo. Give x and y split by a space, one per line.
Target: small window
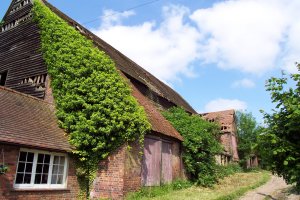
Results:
38 169
3 76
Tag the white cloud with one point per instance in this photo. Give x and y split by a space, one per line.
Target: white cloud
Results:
252 36
112 18
225 104
248 35
244 83
166 49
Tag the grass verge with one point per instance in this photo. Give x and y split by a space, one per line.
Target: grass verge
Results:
229 188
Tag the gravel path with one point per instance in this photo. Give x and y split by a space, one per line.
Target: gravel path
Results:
272 190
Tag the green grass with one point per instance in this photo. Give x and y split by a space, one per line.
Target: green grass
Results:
229 188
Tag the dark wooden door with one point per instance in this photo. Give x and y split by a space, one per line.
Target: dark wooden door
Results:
166 167
151 170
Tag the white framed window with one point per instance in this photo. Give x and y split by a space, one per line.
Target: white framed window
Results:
41 170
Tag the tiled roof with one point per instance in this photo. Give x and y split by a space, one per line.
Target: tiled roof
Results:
158 122
31 122
127 66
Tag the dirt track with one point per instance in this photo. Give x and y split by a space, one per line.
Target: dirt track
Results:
275 189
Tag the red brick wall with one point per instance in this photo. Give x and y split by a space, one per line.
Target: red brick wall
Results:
133 168
109 182
226 142
6 181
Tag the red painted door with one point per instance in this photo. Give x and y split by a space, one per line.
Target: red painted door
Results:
166 167
152 162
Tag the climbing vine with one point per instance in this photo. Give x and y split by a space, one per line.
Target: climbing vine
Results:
200 145
94 103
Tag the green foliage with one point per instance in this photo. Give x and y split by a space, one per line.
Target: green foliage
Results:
200 145
151 192
281 139
1 23
247 132
3 169
94 103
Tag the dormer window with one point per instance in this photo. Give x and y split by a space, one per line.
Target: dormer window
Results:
3 76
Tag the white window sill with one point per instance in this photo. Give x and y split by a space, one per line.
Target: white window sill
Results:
39 189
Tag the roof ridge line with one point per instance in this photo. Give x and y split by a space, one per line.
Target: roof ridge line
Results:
216 111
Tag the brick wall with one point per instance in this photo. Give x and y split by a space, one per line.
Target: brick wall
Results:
109 182
226 142
7 191
133 168
119 174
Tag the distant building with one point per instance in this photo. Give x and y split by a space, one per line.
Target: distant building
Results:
228 137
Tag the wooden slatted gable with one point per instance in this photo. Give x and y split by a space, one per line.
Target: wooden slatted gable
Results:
20 53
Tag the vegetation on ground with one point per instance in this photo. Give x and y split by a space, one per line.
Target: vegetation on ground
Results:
200 145
229 188
151 192
94 103
281 139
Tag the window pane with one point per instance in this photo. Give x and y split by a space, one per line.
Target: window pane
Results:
56 160
44 178
47 159
55 169
39 168
62 160
58 170
54 179
23 156
29 167
42 169
27 178
24 170
30 157
46 168
61 170
37 179
60 179
21 167
19 179
40 158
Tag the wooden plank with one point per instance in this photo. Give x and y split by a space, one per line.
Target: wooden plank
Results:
151 168
20 55
166 171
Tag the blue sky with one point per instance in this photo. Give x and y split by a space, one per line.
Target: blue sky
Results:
216 54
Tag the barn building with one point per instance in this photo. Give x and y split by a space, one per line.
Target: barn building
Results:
37 151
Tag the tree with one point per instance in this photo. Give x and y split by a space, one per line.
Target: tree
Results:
282 137
247 132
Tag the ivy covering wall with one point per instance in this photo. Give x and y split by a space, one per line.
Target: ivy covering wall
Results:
200 145
93 101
